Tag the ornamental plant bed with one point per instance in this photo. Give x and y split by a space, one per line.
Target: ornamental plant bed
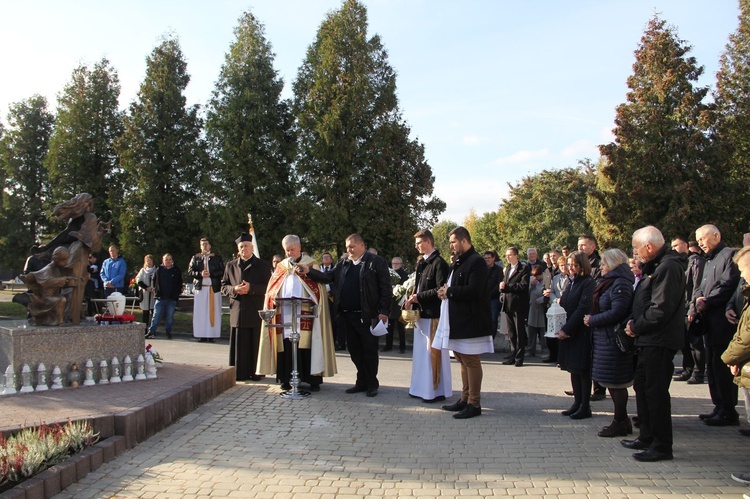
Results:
33 450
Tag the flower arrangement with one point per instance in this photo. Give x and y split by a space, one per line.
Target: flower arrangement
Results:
133 287
35 449
153 353
402 291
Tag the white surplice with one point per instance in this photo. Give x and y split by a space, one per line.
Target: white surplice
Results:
421 368
201 320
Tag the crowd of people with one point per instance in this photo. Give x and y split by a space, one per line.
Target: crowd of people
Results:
625 317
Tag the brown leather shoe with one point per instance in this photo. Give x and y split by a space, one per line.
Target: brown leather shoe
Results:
617 429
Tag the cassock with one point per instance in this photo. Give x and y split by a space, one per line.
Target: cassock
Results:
244 320
316 351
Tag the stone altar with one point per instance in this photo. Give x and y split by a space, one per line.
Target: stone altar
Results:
64 345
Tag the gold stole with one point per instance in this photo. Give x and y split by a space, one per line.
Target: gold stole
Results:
435 355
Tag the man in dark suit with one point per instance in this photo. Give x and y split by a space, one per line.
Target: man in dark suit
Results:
245 281
361 286
515 288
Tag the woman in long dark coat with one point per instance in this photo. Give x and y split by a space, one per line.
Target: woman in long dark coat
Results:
574 355
612 304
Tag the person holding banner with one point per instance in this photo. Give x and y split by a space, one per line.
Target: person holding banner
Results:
206 269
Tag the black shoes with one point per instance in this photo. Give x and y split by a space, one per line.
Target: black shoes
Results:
202 340
709 415
635 444
439 398
651 455
573 409
458 406
582 413
509 362
722 421
695 380
467 412
149 336
212 340
285 387
519 363
169 336
683 376
314 388
356 389
372 393
386 349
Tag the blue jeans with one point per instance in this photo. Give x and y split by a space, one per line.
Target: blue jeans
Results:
163 307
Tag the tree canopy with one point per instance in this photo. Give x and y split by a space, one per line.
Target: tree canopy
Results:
359 169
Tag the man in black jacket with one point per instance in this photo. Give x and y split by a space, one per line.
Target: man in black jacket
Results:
361 286
465 321
720 279
167 289
430 369
658 328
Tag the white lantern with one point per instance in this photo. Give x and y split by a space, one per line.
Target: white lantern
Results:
556 318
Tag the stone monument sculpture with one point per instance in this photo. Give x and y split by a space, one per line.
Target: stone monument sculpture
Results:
48 285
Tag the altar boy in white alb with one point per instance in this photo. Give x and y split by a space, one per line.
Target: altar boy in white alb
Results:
431 370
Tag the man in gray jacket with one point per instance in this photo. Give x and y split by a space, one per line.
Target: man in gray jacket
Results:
720 279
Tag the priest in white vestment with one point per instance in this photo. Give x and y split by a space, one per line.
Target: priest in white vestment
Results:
316 352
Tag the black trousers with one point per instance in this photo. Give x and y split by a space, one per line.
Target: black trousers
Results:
720 382
285 363
243 351
516 322
401 327
653 375
363 349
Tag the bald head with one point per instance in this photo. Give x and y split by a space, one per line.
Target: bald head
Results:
708 237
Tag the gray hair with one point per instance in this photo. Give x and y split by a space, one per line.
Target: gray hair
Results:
289 240
649 234
614 258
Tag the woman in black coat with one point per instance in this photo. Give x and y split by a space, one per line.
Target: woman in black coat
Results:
612 305
574 355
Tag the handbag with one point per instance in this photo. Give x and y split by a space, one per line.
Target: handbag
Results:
625 343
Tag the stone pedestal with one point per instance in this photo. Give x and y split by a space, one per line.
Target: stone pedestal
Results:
64 345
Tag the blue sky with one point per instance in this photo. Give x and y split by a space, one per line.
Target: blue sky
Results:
495 90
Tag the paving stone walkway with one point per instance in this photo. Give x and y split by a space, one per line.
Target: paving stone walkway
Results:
249 442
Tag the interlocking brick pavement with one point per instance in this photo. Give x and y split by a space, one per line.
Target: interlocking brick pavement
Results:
249 442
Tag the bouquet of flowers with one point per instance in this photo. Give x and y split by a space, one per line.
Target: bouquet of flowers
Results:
402 291
153 353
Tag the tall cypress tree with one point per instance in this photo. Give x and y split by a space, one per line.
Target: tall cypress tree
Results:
732 126
161 153
249 129
23 215
660 168
359 169
82 156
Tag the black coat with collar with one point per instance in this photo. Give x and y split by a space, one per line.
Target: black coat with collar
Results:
243 309
215 269
516 290
375 290
432 273
468 301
